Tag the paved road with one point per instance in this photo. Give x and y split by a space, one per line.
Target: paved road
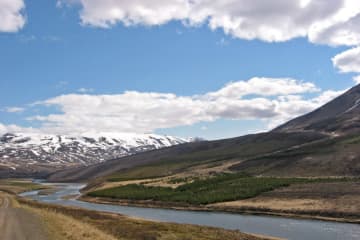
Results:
17 223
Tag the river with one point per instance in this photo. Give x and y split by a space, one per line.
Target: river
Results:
287 228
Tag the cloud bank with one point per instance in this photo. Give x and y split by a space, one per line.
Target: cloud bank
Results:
329 22
348 62
274 100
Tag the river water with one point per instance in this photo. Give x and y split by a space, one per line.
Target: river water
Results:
287 228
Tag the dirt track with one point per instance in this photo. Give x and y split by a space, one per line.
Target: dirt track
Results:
17 223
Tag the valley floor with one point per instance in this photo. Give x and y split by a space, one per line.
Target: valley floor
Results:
22 219
326 199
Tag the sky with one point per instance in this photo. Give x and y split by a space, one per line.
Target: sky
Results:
211 69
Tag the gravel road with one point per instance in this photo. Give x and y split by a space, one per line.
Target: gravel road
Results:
17 223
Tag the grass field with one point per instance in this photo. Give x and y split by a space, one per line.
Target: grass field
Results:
222 188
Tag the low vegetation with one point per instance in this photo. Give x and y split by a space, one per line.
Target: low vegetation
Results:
224 187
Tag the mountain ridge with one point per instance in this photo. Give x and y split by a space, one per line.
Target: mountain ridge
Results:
57 151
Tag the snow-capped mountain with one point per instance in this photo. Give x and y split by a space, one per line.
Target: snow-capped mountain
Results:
57 150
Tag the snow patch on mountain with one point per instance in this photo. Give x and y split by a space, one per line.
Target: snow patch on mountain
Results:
30 148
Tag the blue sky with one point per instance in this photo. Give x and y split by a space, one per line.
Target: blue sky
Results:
58 53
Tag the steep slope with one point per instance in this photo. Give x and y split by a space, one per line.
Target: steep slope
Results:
340 116
38 152
336 155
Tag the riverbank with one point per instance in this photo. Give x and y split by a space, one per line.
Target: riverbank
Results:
67 223
322 199
122 227
240 210
281 227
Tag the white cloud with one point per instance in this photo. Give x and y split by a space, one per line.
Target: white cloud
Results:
61 84
222 42
264 87
276 20
339 29
14 109
27 38
106 13
291 106
127 112
348 61
11 16
14 129
85 90
340 34
270 99
357 79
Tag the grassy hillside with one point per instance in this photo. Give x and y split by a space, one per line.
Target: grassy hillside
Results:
337 156
180 158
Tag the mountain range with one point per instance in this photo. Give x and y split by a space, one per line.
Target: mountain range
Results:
24 152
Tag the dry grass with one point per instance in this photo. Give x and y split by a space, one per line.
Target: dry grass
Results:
13 203
336 199
59 226
62 227
198 172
